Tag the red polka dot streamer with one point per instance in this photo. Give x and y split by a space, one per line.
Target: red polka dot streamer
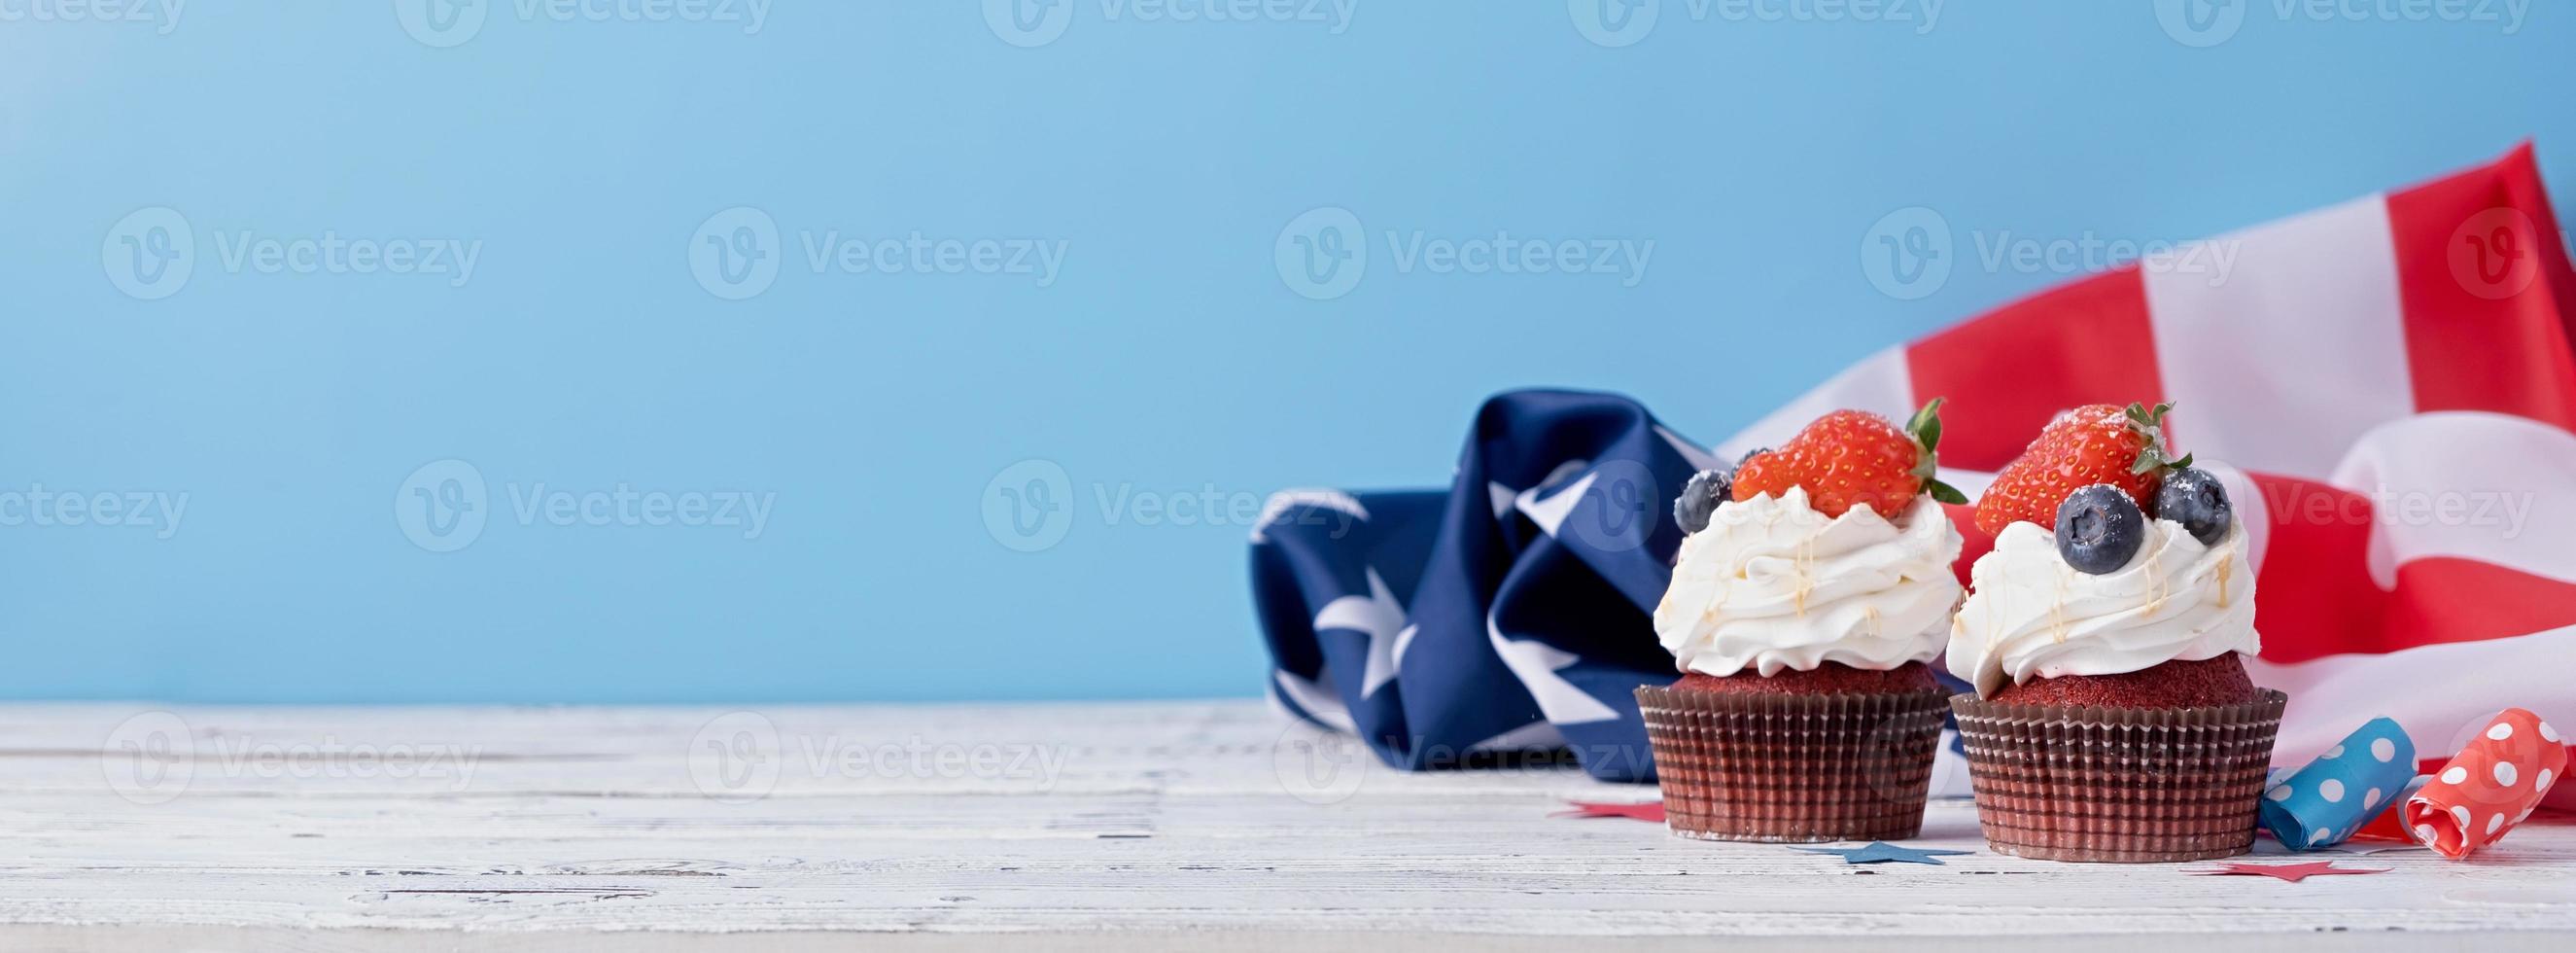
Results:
2489 787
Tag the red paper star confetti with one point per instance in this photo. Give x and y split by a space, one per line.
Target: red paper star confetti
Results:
1648 811
2290 872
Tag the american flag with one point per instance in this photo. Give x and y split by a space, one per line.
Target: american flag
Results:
2388 385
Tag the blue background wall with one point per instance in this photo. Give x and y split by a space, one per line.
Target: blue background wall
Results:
1169 355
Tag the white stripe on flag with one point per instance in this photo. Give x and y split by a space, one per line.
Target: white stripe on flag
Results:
2282 344
2490 487
1879 383
2435 691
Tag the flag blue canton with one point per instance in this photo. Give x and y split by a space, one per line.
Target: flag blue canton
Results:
1509 614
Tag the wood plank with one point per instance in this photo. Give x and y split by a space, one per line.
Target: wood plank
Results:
1158 823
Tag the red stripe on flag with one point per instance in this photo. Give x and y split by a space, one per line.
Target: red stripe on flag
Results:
2483 274
1974 542
2316 595
2318 599
2006 373
2451 599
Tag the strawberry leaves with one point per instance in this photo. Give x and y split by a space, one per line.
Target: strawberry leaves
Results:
2151 424
1926 425
1925 428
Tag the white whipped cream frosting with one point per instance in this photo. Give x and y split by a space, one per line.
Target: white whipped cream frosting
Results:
1773 584
2030 615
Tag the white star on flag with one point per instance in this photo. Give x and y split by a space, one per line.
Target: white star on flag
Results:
1379 615
1537 663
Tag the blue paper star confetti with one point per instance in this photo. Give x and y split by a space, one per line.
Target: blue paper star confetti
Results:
1880 852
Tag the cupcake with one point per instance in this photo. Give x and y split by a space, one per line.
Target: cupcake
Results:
1811 589
2112 718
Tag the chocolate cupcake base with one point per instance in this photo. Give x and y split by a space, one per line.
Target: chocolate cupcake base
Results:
1792 768
2118 785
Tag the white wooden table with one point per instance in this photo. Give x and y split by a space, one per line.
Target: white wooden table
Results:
1116 826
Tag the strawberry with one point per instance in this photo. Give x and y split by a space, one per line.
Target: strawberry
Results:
2095 443
1850 457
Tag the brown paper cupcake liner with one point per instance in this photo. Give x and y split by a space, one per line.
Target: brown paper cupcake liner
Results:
2120 785
1793 768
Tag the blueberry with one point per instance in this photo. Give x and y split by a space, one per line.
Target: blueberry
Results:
2099 528
2199 502
1700 497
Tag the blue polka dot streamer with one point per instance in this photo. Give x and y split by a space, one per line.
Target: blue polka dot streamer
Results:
2322 804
